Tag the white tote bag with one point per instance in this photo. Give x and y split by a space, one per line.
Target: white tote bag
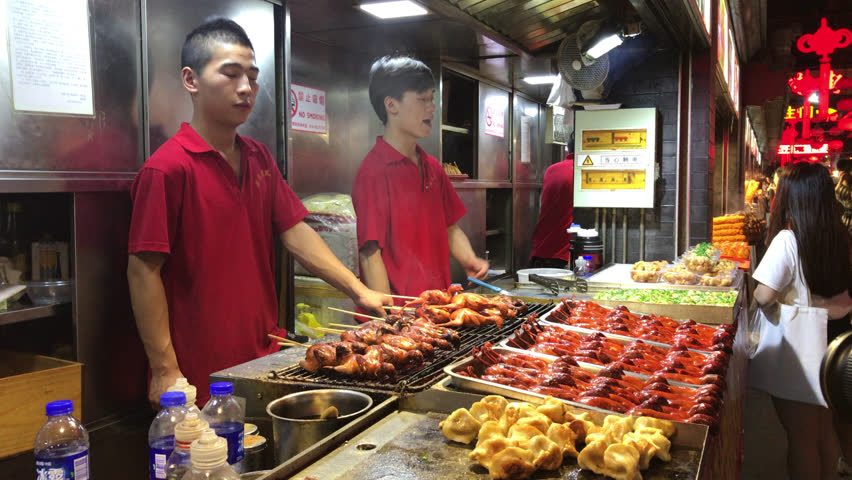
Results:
787 360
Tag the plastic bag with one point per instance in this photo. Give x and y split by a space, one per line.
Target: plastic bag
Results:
306 322
332 216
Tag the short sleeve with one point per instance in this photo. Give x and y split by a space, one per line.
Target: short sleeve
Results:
776 269
454 209
371 199
156 209
287 209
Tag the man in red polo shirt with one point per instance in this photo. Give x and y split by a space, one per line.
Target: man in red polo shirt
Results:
407 208
207 207
551 240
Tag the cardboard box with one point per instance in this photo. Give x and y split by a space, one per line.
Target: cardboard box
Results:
27 383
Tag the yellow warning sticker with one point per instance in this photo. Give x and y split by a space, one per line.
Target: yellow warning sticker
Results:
614 139
588 161
613 180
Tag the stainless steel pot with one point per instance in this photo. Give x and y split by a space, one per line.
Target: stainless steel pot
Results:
295 418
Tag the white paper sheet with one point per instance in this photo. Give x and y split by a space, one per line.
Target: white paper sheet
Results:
50 59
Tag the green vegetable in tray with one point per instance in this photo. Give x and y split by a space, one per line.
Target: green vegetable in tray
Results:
704 249
674 297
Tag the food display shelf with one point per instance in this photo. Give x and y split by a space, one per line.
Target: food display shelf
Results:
617 275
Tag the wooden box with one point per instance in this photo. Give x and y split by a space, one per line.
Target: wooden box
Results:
27 383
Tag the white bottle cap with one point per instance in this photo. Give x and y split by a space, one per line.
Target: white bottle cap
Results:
190 428
182 385
209 450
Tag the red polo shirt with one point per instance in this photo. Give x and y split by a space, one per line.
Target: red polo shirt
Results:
219 234
408 215
550 238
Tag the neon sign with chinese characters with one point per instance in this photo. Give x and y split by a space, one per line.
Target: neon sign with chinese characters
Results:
802 149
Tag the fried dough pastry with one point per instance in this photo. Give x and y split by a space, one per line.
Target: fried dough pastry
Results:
460 426
546 454
511 463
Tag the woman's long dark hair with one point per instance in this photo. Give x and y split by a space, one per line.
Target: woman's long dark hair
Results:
805 203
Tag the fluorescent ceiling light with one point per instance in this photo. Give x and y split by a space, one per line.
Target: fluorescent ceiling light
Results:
397 9
604 45
814 98
541 79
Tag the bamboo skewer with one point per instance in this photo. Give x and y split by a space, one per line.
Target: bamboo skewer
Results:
343 325
326 330
291 343
355 313
404 297
287 341
386 307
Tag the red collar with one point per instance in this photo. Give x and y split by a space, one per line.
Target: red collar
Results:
389 155
189 139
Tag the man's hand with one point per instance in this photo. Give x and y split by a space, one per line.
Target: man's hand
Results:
160 383
373 301
477 268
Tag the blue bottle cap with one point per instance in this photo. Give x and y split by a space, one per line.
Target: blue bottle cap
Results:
172 399
59 407
221 388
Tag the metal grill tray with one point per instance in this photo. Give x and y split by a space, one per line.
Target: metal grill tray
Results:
504 345
407 444
417 379
483 386
615 336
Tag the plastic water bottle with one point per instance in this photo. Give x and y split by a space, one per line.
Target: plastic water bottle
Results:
62 445
161 435
209 455
186 432
226 417
581 267
182 385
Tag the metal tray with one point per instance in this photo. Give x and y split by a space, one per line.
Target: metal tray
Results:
504 344
615 336
407 444
483 386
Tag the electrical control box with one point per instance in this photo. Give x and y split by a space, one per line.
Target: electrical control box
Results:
615 153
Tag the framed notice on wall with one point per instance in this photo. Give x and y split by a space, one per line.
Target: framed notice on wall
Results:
49 56
307 109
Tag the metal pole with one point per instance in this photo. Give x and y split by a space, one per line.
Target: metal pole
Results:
597 219
642 234
613 235
603 236
624 237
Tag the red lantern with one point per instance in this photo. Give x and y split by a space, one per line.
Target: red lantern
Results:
823 42
835 145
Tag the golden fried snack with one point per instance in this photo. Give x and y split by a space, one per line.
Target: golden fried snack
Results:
659 440
460 426
511 463
668 428
539 421
546 454
621 462
488 409
520 435
566 437
555 409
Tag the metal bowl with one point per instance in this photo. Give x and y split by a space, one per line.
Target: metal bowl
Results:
50 292
296 421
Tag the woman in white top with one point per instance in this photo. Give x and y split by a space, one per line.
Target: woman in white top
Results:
807 265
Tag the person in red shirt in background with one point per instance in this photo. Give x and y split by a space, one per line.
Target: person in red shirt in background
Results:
406 206
207 207
551 240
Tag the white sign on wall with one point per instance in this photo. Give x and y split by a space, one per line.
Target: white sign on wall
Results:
307 109
495 114
51 65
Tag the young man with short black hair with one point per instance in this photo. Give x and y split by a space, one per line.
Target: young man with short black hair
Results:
207 207
407 208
